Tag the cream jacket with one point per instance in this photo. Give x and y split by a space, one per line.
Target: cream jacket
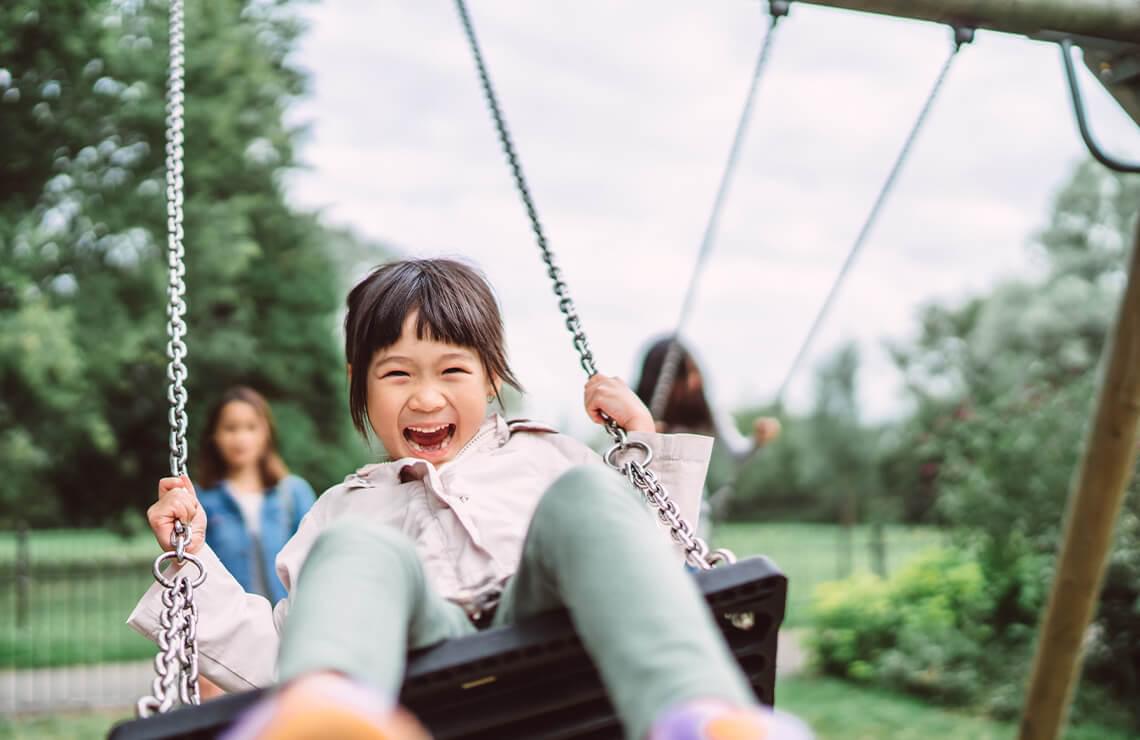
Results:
468 519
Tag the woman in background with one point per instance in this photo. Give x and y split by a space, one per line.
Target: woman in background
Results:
252 504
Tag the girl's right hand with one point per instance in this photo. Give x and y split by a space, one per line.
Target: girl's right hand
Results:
177 502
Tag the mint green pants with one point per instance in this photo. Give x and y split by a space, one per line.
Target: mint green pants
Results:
362 602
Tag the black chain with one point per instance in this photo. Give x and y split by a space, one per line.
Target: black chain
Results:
673 355
696 551
565 303
962 36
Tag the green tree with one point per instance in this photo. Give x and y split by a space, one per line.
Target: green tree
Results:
821 465
82 241
1002 386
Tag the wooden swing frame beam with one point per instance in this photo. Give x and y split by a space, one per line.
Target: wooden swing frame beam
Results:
1107 465
1112 20
1109 32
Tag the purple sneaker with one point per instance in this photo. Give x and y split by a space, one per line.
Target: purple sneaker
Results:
711 720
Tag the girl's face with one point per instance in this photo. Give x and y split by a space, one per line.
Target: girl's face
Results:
426 398
242 435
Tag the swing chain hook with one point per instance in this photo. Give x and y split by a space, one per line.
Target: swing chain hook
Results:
697 552
176 664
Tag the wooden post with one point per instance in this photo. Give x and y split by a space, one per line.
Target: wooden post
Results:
1094 505
1117 20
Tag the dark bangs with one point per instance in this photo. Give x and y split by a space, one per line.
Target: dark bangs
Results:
454 305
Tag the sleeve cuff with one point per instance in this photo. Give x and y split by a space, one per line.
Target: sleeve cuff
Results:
687 448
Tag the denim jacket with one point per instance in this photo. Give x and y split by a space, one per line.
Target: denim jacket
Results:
248 558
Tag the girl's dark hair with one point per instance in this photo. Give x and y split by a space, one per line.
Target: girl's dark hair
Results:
211 468
684 407
453 303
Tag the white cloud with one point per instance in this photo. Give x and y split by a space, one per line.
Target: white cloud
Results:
623 114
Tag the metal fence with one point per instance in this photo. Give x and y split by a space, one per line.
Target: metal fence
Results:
64 599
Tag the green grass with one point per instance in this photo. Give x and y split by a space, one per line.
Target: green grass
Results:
839 710
809 554
66 546
835 710
64 726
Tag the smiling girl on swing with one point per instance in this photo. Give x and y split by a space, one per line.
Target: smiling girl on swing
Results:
472 521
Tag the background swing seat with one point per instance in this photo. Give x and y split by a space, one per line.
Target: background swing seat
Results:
533 679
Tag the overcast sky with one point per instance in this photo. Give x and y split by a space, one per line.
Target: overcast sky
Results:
623 114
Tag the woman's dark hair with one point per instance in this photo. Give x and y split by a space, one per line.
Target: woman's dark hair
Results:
684 407
211 468
453 304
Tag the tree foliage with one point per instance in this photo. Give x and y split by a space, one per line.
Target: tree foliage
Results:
1002 387
83 429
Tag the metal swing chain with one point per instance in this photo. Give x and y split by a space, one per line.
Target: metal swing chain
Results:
697 551
962 35
176 664
777 9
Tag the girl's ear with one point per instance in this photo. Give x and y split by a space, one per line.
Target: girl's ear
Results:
348 369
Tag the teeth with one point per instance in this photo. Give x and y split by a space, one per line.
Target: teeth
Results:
429 430
440 447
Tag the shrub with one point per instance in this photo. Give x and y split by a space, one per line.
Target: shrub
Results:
923 630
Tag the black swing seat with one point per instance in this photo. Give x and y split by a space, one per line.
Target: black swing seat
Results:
531 680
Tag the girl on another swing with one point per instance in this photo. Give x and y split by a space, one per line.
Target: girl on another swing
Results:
472 521
687 408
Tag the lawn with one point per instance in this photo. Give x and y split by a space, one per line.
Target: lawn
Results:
836 710
839 710
810 554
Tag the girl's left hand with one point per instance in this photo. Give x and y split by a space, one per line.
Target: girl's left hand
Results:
612 397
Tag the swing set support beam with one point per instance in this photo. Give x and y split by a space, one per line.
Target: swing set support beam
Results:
1107 30
1107 464
1114 20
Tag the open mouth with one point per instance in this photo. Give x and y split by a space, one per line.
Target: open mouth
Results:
435 438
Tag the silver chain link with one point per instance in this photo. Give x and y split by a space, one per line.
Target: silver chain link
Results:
176 291
696 551
176 664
